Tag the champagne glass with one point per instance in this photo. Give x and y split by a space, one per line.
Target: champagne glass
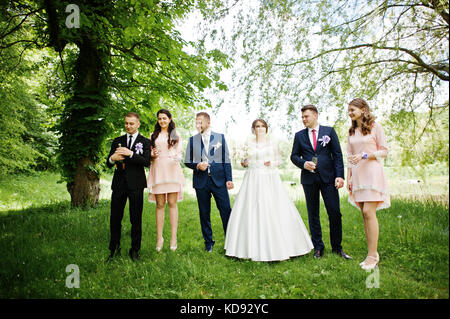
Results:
120 162
314 160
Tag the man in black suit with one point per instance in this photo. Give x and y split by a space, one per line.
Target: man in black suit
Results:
316 150
129 154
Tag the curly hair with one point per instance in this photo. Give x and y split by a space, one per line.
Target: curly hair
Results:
367 119
171 130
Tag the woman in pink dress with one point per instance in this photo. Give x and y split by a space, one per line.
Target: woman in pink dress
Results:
165 179
366 182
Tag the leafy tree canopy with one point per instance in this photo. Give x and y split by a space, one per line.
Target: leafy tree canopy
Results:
393 53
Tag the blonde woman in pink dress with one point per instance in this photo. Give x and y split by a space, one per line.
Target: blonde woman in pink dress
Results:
366 182
165 179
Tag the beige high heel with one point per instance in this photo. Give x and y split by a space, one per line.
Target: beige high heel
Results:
173 248
372 266
158 248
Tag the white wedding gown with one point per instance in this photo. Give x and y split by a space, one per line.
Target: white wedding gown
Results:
264 224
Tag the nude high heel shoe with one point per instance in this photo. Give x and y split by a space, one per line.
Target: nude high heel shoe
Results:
158 248
173 248
372 266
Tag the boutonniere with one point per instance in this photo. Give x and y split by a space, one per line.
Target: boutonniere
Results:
217 146
325 140
139 148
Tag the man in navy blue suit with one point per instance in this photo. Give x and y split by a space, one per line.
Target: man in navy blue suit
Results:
324 175
207 155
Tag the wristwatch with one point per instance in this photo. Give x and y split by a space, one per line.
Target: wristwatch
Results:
364 155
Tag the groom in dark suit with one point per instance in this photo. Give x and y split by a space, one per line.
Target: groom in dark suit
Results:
207 155
130 153
326 177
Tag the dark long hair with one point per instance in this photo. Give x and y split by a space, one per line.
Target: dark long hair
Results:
173 137
367 119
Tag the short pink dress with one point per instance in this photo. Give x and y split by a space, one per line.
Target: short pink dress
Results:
369 181
165 175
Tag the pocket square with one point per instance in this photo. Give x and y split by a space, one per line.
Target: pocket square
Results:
214 148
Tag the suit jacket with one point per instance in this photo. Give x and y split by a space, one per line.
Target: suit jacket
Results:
217 156
329 157
133 176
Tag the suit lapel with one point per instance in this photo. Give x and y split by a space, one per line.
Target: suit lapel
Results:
321 134
211 138
306 139
124 141
198 141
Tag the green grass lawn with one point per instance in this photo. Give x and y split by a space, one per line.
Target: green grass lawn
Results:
40 235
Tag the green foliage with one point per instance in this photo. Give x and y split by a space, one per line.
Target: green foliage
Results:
15 154
427 140
25 142
125 56
291 53
140 63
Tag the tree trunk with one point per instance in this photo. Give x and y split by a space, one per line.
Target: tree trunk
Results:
81 124
87 129
85 189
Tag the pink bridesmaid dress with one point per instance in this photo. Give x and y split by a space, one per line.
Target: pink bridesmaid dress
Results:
369 181
165 175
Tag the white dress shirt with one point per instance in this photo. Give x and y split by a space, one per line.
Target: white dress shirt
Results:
310 135
206 136
133 139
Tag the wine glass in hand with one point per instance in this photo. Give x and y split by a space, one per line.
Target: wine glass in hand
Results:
314 160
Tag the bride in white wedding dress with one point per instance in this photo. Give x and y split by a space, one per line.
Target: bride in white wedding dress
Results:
264 224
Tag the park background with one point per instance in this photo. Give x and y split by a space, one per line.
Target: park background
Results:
65 88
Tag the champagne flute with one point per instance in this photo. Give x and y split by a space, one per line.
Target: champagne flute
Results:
314 160
121 162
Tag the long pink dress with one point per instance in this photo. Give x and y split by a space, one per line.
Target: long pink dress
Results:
165 175
369 181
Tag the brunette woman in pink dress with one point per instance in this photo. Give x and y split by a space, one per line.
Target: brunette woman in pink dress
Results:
165 179
366 182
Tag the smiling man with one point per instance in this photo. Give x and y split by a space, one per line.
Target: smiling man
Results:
208 156
129 153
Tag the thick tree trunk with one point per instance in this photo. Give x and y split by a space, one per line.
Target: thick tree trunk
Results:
82 124
87 130
85 189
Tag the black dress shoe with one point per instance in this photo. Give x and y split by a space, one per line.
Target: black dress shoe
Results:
318 253
342 254
209 249
114 253
134 255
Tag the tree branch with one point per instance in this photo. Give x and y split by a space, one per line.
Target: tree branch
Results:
16 42
420 62
21 22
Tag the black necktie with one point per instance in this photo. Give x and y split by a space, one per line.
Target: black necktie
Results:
129 142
